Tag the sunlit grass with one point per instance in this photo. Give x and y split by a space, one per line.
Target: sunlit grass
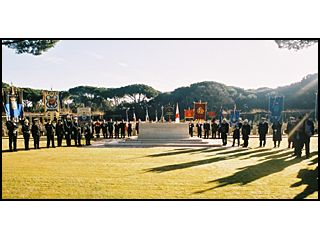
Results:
139 173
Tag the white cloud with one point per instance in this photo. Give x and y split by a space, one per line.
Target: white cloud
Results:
55 60
123 64
94 55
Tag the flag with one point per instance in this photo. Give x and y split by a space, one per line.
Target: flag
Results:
147 115
13 102
212 114
275 108
188 113
177 114
200 110
51 101
220 118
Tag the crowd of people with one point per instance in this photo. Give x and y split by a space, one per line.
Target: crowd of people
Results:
68 129
298 130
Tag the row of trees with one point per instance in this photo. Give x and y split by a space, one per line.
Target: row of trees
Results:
300 95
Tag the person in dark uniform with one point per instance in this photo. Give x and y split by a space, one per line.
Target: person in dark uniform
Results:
236 132
191 127
219 130
59 132
199 129
76 132
35 131
277 133
245 131
116 129
309 131
224 131
299 137
289 131
26 134
87 133
122 126
137 126
263 130
50 133
214 128
97 128
206 128
68 130
105 129
129 129
110 128
12 127
92 129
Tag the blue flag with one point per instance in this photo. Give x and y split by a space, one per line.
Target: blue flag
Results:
275 108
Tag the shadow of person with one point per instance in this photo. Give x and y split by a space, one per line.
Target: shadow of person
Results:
251 173
308 177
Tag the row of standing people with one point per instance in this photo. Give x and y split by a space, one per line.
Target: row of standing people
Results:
110 129
68 129
299 132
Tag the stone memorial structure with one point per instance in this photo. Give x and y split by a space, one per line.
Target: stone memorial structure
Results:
164 131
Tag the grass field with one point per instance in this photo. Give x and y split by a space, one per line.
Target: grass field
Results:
161 173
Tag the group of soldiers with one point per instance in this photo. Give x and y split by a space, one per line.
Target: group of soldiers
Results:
68 129
299 132
110 129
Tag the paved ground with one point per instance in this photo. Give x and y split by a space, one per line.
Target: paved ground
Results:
166 172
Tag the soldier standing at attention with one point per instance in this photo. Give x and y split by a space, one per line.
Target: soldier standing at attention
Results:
199 129
299 137
87 133
122 129
245 130
59 132
68 130
35 130
206 129
13 134
76 132
26 134
236 133
263 130
116 129
214 128
191 127
309 131
129 129
105 129
289 131
224 131
137 126
97 129
50 133
277 133
110 128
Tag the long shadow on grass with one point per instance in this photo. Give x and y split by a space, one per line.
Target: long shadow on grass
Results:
308 177
254 172
176 152
216 158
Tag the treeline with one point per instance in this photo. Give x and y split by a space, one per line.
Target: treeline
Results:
139 97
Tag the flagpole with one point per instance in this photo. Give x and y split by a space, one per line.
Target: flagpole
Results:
315 108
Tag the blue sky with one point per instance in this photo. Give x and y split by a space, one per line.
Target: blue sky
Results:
164 65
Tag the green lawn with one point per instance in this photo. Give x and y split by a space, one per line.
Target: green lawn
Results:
139 173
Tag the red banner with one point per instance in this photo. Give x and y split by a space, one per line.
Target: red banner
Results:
211 114
200 111
188 113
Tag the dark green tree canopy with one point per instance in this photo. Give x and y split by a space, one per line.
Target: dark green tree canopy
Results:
295 44
34 47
